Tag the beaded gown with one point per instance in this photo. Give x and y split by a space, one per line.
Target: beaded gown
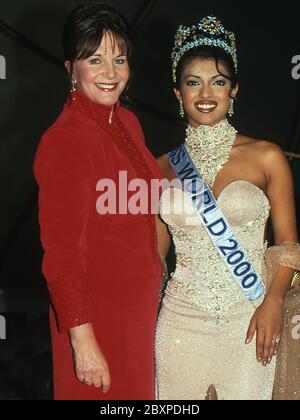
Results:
205 316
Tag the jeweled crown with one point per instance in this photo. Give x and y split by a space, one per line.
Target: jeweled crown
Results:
208 32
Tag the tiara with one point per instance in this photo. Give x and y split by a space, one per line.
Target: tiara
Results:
209 32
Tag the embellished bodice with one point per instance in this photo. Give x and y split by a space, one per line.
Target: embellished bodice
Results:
201 276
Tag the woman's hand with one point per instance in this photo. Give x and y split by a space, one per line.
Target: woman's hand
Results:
90 364
267 323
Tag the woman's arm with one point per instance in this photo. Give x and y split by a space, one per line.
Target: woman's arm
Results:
283 213
63 171
267 320
162 230
90 363
163 237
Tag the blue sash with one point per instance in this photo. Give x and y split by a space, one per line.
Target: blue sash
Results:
216 225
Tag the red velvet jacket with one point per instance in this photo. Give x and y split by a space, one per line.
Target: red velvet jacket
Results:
93 262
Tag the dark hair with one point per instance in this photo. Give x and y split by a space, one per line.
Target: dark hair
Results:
220 57
85 27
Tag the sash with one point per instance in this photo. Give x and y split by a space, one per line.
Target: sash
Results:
216 225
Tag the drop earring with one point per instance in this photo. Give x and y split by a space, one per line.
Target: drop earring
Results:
73 88
231 107
181 108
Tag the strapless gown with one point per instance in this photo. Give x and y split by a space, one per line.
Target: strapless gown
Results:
205 316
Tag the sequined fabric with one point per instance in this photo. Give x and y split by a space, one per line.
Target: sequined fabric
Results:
205 316
287 377
286 254
210 147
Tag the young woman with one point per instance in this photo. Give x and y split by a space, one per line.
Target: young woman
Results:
210 314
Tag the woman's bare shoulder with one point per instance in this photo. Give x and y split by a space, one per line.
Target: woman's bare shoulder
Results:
264 148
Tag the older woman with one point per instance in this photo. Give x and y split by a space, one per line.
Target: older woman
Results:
102 267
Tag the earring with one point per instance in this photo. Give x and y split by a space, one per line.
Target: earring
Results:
231 107
73 89
181 108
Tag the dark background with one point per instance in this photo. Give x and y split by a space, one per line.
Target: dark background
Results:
32 95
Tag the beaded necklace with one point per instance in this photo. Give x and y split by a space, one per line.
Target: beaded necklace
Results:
209 148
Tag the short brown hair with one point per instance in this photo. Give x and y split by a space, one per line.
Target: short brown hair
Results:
85 27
